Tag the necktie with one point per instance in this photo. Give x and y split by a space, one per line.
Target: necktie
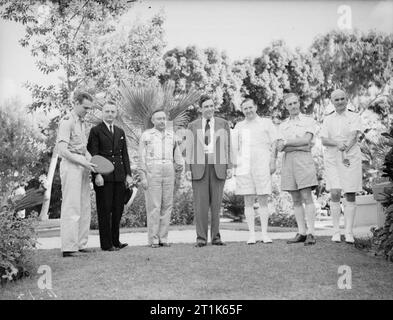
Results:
111 128
207 132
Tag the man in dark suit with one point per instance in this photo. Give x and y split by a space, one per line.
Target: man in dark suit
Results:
109 141
208 164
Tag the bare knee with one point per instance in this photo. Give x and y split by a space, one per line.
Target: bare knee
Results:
249 201
307 196
351 196
335 195
262 200
296 198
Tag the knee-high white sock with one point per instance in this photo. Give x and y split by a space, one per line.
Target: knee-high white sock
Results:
299 215
264 215
349 215
310 218
335 211
250 218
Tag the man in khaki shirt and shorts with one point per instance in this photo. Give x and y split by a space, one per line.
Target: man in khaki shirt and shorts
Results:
298 173
75 169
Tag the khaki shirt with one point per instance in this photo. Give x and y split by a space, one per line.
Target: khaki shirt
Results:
156 148
72 130
296 128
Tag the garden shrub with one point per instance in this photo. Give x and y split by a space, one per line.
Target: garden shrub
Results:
382 240
17 239
135 215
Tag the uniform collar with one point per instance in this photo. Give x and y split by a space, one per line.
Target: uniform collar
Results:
76 117
108 125
158 132
343 114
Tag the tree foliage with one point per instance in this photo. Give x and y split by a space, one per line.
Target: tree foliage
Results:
354 61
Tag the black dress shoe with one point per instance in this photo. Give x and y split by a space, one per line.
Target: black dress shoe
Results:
310 240
86 250
298 238
111 249
200 245
218 243
121 245
70 254
164 244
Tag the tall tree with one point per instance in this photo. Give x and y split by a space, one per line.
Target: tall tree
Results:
59 34
354 61
206 70
279 70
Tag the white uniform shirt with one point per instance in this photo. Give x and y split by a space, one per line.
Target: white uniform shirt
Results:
340 127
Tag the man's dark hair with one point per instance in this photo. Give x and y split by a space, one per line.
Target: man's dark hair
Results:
79 96
204 98
157 110
247 99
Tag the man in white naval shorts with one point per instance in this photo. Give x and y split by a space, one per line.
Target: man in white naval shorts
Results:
343 163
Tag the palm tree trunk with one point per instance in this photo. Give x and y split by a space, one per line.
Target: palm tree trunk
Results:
51 173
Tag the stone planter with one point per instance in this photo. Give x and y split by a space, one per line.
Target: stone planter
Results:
369 212
380 187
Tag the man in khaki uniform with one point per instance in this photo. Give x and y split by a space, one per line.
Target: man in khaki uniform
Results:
298 173
75 169
158 151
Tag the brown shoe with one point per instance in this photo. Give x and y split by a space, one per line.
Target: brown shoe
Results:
310 240
298 238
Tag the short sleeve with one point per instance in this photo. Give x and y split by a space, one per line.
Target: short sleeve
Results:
280 132
273 134
324 133
65 131
356 124
311 126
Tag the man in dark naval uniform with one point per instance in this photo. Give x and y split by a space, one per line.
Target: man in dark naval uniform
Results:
109 141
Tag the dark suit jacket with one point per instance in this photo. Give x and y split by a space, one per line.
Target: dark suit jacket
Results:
195 156
112 147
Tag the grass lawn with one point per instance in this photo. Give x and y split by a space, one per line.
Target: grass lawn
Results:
236 271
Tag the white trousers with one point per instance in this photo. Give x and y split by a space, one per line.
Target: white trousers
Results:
75 206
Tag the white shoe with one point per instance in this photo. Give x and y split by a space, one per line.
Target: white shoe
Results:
251 240
336 237
349 238
266 239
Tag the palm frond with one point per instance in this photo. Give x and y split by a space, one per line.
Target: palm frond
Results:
138 104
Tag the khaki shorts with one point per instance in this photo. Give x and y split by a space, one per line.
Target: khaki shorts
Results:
298 171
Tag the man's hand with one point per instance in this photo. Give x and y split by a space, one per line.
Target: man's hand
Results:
99 180
272 166
188 175
280 145
144 184
129 181
341 146
89 166
229 173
